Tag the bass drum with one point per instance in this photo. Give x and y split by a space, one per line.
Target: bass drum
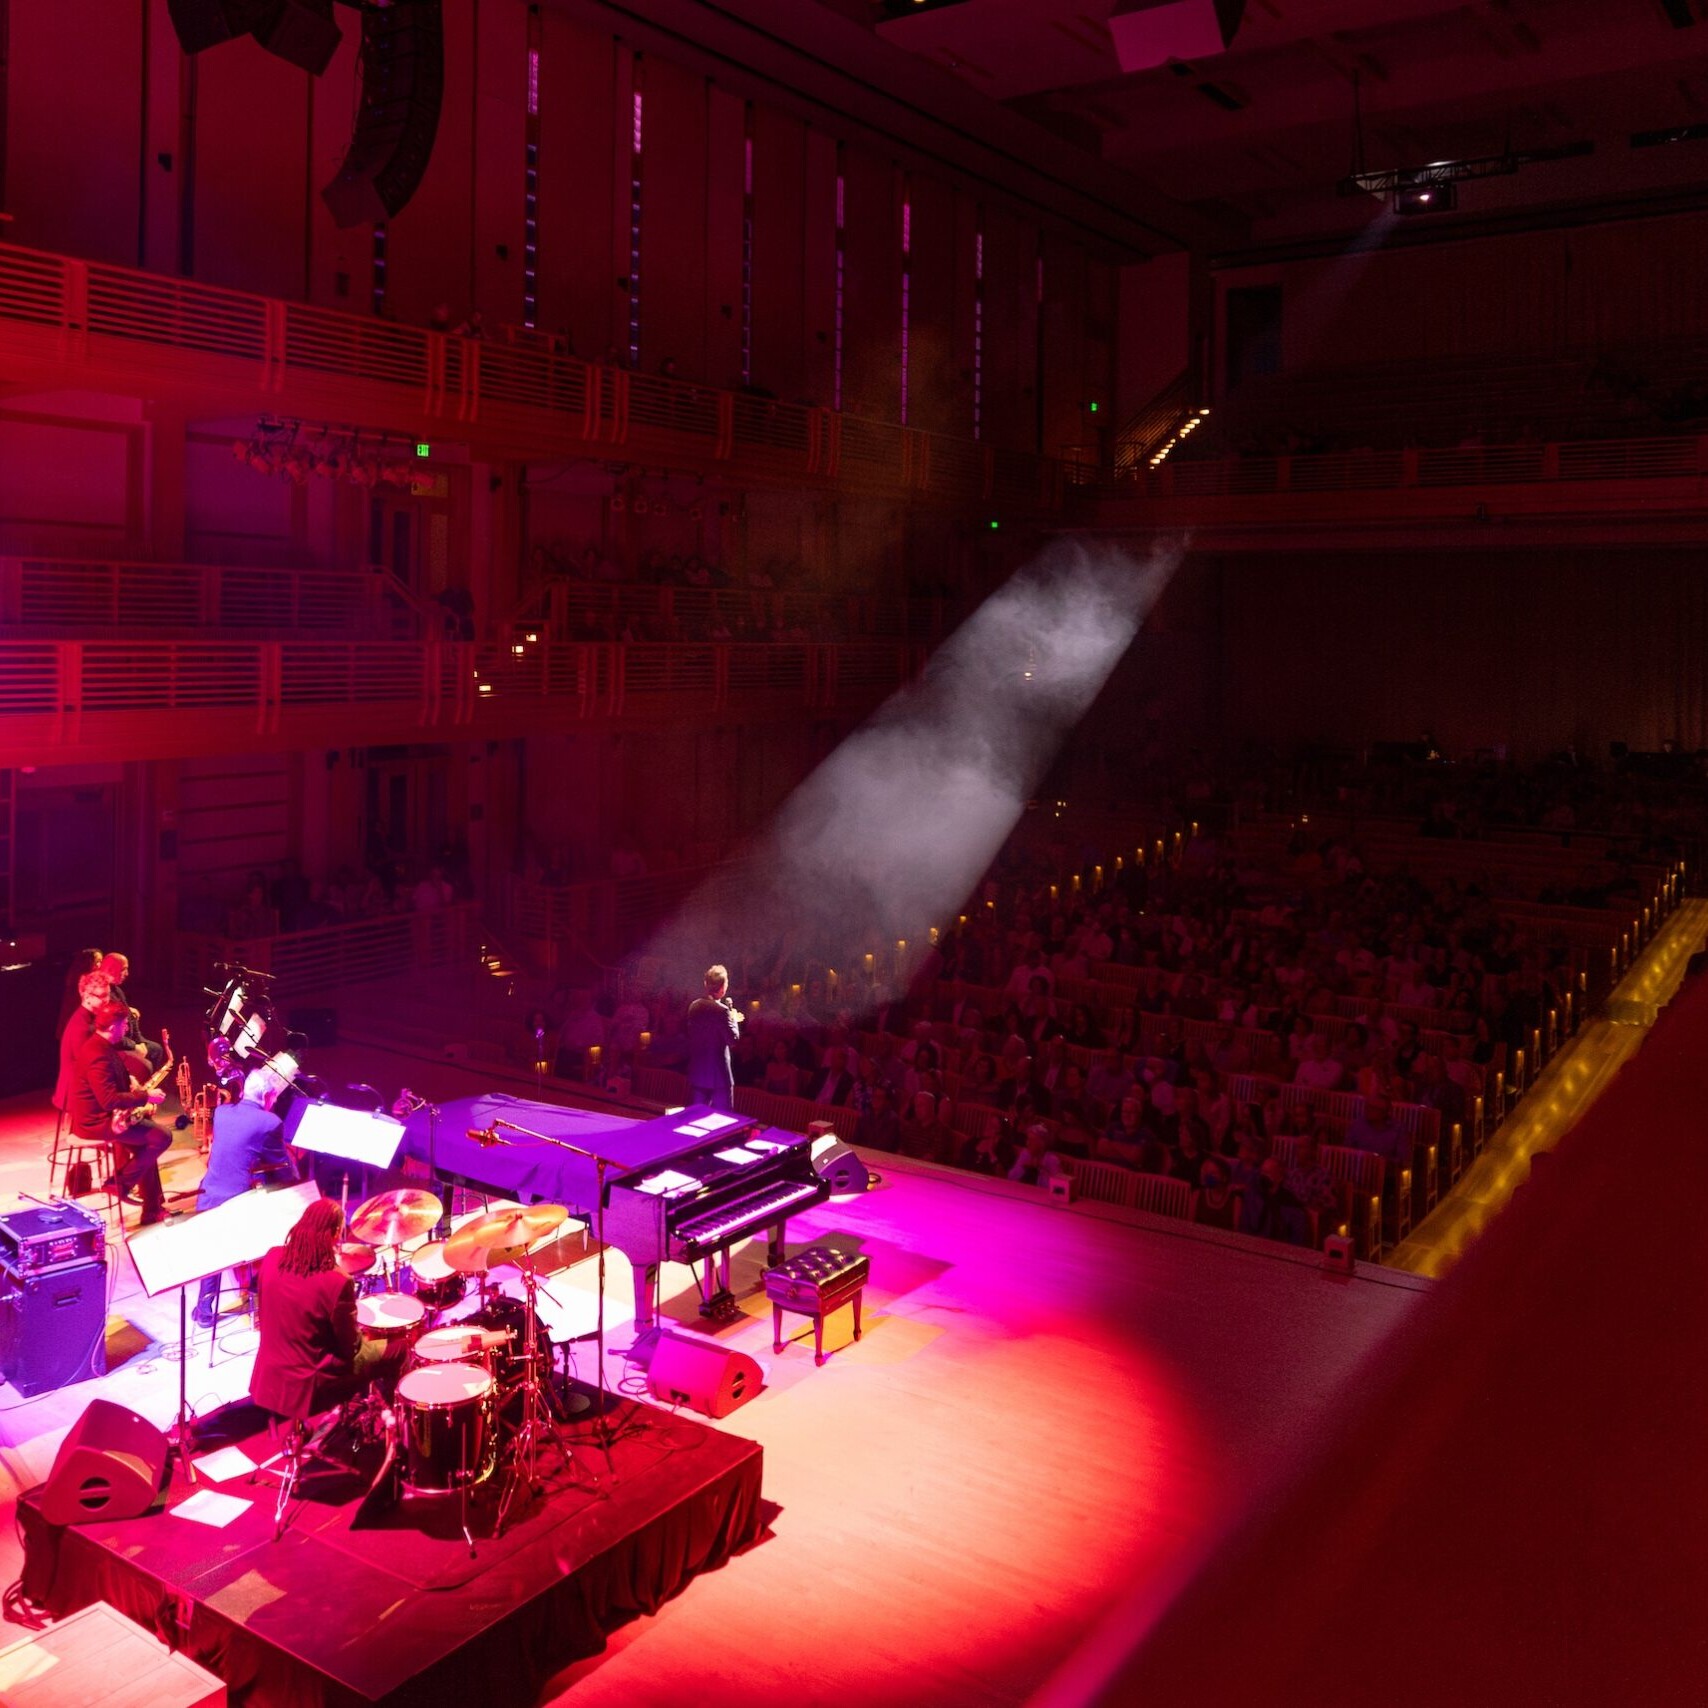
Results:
447 1428
510 1317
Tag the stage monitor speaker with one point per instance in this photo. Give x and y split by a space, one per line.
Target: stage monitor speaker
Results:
301 32
403 84
53 1327
111 1465
704 1377
832 1160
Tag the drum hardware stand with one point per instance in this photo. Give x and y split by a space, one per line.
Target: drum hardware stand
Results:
601 1164
536 1412
184 1427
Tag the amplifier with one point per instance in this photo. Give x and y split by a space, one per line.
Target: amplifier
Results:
53 1326
35 1238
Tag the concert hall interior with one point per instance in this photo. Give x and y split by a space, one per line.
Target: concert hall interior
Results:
852 851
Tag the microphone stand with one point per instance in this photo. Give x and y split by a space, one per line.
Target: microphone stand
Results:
600 1164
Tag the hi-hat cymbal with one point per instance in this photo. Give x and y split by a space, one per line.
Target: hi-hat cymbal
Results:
393 1217
501 1236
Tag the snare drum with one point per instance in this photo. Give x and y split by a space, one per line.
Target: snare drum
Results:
447 1429
389 1316
437 1285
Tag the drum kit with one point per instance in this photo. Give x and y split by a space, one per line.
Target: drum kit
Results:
474 1395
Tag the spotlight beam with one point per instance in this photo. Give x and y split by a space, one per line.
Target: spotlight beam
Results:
890 834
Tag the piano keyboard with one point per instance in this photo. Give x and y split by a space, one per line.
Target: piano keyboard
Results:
734 1219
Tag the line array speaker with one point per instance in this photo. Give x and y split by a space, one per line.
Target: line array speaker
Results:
403 84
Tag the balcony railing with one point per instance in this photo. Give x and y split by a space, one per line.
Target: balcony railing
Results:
1395 471
118 327
333 955
67 596
78 698
562 607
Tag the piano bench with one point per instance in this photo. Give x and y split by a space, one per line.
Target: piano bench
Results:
816 1282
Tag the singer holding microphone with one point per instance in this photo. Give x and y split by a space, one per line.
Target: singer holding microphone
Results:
713 1025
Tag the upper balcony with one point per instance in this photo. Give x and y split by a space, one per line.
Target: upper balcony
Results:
1650 489
66 322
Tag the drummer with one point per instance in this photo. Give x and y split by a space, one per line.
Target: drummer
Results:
248 1147
312 1354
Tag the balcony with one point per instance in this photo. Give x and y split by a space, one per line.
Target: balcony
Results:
1648 487
68 701
66 322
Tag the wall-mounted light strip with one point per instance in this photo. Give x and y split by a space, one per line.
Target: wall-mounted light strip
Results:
379 266
635 222
841 275
906 285
978 327
531 181
747 248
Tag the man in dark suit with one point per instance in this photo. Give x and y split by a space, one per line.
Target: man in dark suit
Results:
248 1148
101 1087
312 1354
713 1025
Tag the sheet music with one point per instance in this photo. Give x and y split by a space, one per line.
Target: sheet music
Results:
353 1135
173 1254
668 1183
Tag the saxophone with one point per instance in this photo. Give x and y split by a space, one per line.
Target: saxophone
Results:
124 1119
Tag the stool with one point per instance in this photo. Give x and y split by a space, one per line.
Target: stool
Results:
816 1282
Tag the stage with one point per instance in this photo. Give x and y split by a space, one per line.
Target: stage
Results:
1051 1407
381 1603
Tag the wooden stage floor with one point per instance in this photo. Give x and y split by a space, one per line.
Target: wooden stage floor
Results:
1049 1407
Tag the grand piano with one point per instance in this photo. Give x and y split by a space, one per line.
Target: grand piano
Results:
682 1188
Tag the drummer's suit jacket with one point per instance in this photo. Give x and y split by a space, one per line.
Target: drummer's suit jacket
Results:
306 1359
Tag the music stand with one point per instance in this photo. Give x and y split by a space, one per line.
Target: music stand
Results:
351 1135
175 1254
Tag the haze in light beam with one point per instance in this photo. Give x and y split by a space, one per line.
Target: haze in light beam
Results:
891 833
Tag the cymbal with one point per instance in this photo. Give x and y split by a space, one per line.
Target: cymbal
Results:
354 1258
390 1218
501 1236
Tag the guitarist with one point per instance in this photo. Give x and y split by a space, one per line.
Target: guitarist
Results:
101 1086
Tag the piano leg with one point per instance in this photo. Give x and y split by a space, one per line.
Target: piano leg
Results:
646 1282
717 1302
775 1251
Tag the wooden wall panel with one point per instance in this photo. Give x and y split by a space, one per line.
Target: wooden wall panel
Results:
673 223
73 115
251 170
234 817
779 251
959 384
500 117
578 155
818 266
430 255
65 485
725 120
872 315
340 272
933 389
1011 330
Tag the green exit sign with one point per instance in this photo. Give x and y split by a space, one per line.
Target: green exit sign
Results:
423 450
